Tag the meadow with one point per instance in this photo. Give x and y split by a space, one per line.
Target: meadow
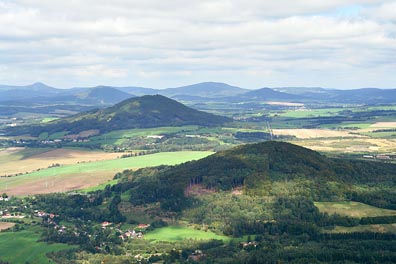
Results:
379 228
22 247
89 174
179 233
119 136
353 209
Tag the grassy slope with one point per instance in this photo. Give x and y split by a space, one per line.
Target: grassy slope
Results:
353 209
22 247
99 187
178 233
380 228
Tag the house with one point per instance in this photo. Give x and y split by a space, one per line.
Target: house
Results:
105 224
41 214
197 255
156 137
383 157
249 244
143 226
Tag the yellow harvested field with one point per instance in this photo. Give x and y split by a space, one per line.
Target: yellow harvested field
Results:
9 151
62 183
12 166
5 225
384 125
313 133
349 145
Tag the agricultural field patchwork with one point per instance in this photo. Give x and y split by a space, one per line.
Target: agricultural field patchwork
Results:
20 160
314 133
88 174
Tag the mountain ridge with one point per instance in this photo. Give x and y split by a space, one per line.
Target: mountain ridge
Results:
200 92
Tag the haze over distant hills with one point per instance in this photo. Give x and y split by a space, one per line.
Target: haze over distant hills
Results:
39 94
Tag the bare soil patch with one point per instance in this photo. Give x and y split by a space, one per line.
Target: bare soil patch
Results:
384 125
5 225
197 190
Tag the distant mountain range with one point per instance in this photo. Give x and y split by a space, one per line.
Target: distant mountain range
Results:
101 96
138 112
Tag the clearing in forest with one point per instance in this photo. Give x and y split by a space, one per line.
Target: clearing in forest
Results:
353 209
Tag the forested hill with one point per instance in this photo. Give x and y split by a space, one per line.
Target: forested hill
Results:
138 112
256 167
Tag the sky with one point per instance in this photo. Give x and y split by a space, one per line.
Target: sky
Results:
155 43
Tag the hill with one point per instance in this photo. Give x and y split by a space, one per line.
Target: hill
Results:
368 96
256 167
270 94
140 112
8 92
103 95
39 94
205 89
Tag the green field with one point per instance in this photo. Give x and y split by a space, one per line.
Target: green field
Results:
110 166
99 187
163 158
352 209
373 134
119 136
380 228
178 233
22 247
48 119
333 111
312 112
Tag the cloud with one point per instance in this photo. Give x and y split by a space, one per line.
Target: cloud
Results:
166 43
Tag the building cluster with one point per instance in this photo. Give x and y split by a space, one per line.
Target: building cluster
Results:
380 157
136 233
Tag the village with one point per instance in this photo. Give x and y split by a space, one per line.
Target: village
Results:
12 212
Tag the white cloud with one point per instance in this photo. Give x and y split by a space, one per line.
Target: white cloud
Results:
166 43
